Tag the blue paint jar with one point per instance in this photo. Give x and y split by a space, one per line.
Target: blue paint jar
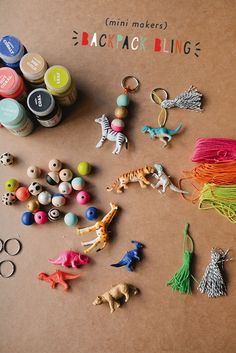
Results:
11 51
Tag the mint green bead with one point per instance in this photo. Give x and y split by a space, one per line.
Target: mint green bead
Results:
122 100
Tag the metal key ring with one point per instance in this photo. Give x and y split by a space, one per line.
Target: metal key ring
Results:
126 87
2 245
12 271
19 246
154 96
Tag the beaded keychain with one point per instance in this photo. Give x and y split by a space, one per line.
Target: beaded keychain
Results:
190 99
113 131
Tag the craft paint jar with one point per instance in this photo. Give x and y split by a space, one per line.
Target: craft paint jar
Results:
43 105
11 84
33 67
11 51
13 117
59 83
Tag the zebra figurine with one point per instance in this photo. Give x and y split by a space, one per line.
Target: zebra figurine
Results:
111 135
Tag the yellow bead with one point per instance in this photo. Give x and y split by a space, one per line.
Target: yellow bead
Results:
121 112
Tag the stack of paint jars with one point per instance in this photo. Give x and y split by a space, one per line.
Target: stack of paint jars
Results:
49 88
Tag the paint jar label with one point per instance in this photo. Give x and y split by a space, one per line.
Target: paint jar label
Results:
41 102
25 128
68 99
55 120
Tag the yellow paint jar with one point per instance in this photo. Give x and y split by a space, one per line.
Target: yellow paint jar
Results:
33 66
59 83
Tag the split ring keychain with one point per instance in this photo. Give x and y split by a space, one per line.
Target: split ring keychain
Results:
4 247
190 99
113 132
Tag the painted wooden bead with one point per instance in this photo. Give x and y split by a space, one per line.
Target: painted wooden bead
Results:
66 175
58 200
44 198
55 165
54 215
33 172
121 112
78 183
27 218
122 100
6 159
91 213
9 198
84 168
117 125
70 219
12 185
65 188
22 193
83 197
33 206
52 178
41 217
35 188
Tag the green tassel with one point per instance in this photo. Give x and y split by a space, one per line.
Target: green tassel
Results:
181 281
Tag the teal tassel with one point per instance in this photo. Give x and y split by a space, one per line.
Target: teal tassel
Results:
181 281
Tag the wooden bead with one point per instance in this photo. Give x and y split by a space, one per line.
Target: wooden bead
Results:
121 112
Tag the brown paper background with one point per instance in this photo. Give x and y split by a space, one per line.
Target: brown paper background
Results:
35 318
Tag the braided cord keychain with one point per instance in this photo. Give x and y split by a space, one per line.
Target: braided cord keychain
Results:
181 281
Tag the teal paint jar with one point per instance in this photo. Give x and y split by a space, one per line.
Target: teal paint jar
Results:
14 118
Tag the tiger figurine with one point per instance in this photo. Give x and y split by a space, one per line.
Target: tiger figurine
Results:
132 176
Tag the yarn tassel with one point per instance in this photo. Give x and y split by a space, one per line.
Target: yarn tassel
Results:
212 282
181 281
190 99
220 197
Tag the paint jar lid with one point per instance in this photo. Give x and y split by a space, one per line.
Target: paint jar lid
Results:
11 49
10 82
40 102
57 79
33 66
11 112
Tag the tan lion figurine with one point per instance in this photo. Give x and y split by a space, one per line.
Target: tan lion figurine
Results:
114 294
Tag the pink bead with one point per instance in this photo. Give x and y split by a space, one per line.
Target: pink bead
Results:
41 217
22 193
83 197
117 125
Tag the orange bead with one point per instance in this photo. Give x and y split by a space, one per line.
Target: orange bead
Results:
121 112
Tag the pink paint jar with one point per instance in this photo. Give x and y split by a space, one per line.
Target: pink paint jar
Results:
11 85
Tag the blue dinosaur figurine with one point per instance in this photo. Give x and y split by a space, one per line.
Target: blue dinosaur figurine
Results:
161 133
130 257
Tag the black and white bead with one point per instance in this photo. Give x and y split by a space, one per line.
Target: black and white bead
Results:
54 215
35 188
6 159
9 198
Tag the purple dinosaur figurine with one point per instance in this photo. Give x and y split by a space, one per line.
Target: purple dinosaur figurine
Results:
70 258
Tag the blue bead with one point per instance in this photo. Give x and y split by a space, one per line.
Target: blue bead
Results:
122 100
27 218
91 213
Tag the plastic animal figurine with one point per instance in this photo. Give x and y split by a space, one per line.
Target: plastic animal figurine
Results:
70 258
114 294
108 134
130 257
133 176
164 181
58 277
161 132
101 230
